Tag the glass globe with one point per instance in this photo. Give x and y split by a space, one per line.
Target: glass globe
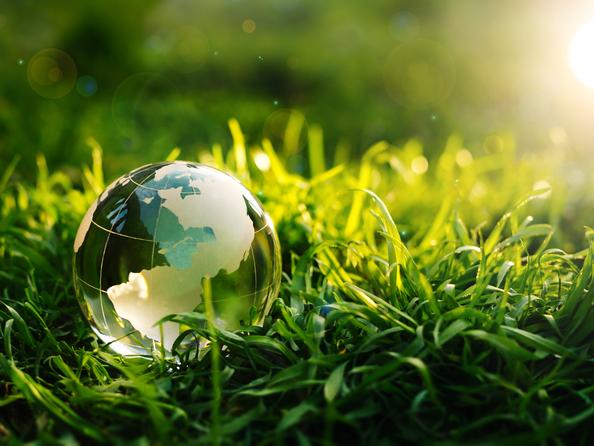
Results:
165 238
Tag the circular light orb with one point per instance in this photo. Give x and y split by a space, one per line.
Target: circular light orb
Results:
86 85
248 26
581 54
51 73
169 238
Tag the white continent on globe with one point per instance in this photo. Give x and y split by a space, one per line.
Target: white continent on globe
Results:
151 294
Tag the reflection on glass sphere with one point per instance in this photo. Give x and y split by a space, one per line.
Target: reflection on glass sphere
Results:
150 242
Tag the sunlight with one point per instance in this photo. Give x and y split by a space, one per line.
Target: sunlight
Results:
581 54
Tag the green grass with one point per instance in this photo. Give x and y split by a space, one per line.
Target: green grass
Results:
466 323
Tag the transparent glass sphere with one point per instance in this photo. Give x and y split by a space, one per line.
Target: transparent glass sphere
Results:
164 239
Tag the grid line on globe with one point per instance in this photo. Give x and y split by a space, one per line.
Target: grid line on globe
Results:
213 300
110 232
172 226
156 225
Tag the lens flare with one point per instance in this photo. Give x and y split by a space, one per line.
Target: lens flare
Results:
86 85
51 73
581 54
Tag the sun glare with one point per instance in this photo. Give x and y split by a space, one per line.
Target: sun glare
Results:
581 54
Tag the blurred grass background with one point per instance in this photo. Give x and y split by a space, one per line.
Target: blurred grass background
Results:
457 114
149 76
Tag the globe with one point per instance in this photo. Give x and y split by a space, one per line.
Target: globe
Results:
170 238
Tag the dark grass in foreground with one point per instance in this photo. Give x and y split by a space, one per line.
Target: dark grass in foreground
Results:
457 335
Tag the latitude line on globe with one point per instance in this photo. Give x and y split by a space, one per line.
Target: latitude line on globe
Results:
214 300
143 169
103 228
146 187
107 241
120 233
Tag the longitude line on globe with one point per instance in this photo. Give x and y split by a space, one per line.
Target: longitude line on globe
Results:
155 236
144 187
196 192
156 222
107 241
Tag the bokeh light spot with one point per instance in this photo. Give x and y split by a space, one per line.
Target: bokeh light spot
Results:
43 70
55 74
51 73
86 85
493 144
262 160
405 25
419 165
464 158
248 26
478 191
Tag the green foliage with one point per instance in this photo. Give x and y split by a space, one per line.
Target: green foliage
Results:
461 323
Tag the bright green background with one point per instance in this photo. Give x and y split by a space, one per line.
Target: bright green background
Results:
171 73
456 306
